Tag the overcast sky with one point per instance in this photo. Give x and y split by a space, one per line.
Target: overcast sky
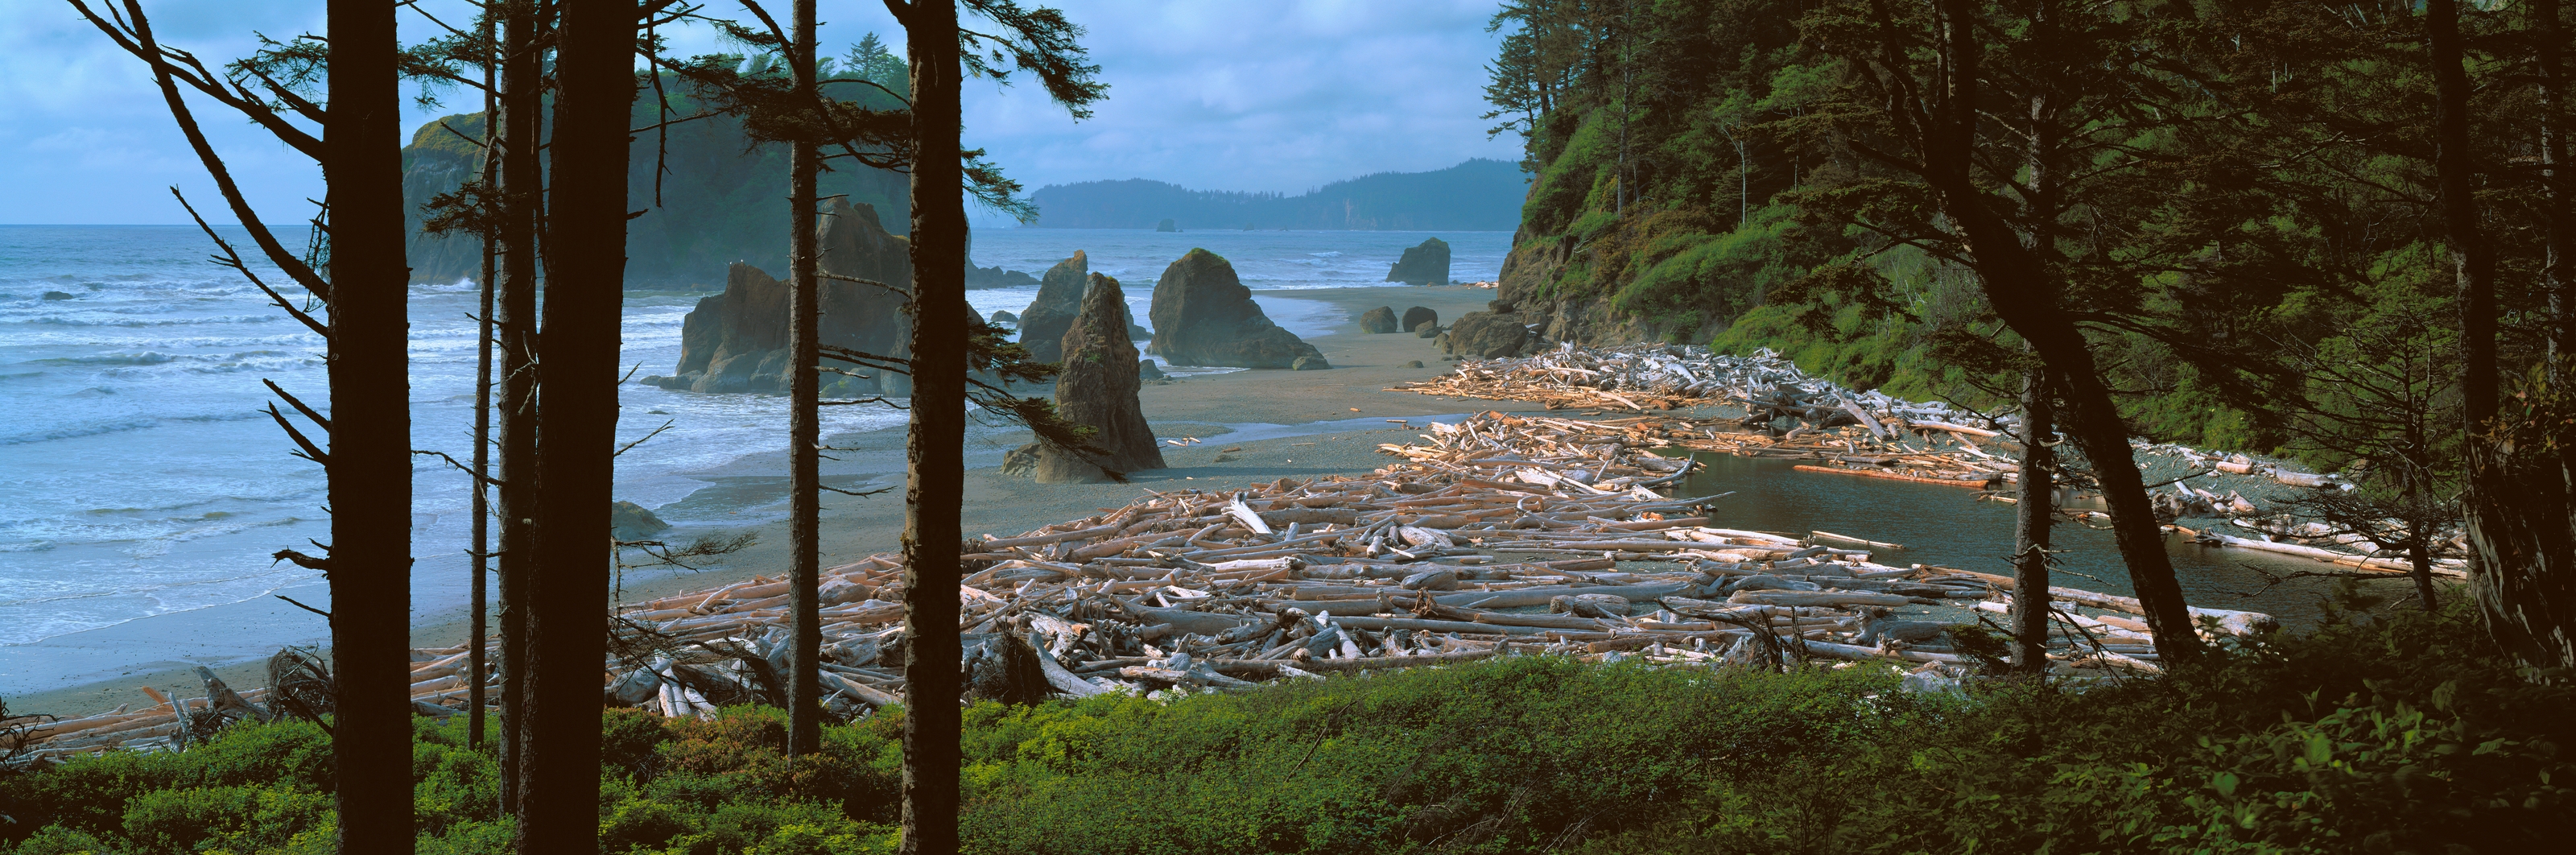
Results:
1209 94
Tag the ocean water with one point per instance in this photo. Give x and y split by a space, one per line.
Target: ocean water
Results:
140 476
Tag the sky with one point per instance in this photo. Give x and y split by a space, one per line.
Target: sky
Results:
1207 94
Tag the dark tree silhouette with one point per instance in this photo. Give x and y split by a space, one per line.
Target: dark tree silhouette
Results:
518 194
358 272
1995 154
370 492
2032 517
585 263
804 423
934 450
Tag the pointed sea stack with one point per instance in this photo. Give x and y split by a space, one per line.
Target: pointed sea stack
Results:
859 316
1098 388
1043 323
1204 316
1427 264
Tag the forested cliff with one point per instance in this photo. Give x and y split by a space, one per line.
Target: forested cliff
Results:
2240 198
1477 195
720 198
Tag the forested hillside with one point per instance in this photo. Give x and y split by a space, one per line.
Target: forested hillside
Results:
1477 195
2239 198
720 198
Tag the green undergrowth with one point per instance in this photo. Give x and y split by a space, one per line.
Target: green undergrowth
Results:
2380 731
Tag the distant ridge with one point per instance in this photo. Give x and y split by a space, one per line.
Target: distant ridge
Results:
1478 195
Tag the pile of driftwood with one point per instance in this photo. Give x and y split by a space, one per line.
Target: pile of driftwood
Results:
1499 535
1828 428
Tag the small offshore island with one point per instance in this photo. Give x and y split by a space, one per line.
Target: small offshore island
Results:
1847 428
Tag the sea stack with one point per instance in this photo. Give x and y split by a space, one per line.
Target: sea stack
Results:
1426 264
1203 315
1098 389
736 341
1042 325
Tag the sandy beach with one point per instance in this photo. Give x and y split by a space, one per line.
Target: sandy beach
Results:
1258 425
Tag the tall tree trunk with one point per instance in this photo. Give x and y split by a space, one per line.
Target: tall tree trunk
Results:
2456 173
370 489
585 271
804 423
2023 291
521 188
2558 270
2033 515
934 484
481 538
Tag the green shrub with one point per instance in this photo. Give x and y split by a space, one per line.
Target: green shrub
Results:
2376 732
244 820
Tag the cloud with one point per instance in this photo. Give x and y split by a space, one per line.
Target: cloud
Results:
1231 96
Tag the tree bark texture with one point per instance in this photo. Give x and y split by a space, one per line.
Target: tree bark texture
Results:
521 187
481 538
585 270
804 424
934 450
370 483
2022 288
2455 172
2558 259
2032 517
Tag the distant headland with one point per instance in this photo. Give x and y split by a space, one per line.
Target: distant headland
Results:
1477 195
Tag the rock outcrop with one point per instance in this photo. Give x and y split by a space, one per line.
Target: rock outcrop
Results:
736 341
1098 389
1001 316
631 521
1043 323
1426 264
1415 317
1488 335
1379 320
1203 315
1167 226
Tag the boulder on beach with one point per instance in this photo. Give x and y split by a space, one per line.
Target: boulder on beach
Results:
1043 323
1309 363
1426 264
1415 317
1098 389
1203 315
1379 320
736 341
1146 369
1489 335
631 521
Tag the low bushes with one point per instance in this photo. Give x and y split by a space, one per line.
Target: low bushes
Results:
2375 733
